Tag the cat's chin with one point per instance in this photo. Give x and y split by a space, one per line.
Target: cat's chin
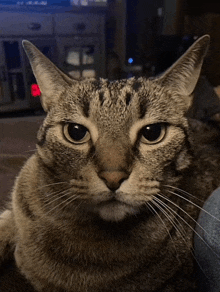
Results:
115 211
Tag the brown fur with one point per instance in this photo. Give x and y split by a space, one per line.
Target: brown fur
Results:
102 215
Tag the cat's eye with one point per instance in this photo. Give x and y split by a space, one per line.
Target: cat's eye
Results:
154 133
76 133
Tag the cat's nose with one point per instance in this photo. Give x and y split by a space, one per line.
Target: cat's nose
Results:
113 179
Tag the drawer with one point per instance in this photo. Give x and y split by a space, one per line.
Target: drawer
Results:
70 23
25 24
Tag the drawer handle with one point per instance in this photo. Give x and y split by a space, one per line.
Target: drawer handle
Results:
81 26
34 26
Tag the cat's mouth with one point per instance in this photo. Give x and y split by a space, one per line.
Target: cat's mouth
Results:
115 210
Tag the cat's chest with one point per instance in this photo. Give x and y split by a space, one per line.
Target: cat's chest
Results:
80 272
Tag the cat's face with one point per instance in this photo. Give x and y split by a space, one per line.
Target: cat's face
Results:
116 143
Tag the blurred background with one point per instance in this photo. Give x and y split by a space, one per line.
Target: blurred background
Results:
100 38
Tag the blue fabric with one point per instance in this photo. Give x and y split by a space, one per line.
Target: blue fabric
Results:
207 244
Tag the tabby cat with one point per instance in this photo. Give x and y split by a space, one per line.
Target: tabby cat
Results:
110 198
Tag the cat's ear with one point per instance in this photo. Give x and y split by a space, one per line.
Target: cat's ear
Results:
51 80
183 75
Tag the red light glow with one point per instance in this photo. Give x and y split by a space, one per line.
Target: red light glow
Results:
35 90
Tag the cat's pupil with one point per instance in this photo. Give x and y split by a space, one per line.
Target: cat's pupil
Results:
152 132
77 132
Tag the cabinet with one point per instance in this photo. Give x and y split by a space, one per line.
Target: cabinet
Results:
16 74
75 42
79 57
81 45
12 75
4 86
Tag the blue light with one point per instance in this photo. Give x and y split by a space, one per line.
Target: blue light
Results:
130 60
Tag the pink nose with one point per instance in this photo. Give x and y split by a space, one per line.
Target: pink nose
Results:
113 179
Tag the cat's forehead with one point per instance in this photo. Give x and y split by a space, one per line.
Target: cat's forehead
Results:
111 91
114 96
119 102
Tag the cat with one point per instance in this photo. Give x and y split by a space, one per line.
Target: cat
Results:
110 199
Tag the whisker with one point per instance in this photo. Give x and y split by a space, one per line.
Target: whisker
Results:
52 184
63 202
192 250
54 196
49 200
69 202
182 211
188 223
167 216
184 192
79 182
30 150
58 204
57 194
147 204
171 211
171 192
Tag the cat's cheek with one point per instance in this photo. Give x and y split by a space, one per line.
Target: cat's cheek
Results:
183 160
46 155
